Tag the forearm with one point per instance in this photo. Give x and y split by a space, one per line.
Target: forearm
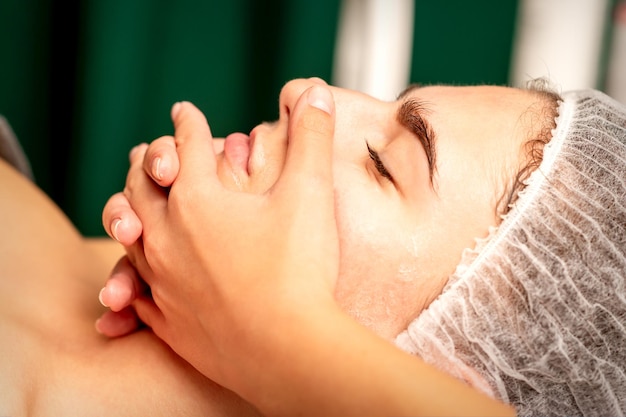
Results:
376 378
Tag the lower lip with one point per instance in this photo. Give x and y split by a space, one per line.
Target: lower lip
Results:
237 151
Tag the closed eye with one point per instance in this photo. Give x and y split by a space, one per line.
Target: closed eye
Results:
378 164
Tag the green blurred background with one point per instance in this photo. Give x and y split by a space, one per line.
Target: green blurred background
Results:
81 82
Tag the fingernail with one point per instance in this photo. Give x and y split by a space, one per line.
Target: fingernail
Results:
100 297
97 326
156 168
175 110
114 227
320 98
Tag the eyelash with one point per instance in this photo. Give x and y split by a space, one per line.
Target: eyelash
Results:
378 164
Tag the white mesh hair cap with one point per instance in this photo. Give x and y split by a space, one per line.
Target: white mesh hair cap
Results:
535 315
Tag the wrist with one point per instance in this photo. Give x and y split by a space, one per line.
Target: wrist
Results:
325 363
284 367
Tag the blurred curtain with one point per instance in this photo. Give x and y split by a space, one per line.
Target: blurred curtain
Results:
81 82
463 42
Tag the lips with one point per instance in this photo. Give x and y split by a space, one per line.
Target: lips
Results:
237 151
254 162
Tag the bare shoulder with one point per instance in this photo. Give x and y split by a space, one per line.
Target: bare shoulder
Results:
52 361
105 248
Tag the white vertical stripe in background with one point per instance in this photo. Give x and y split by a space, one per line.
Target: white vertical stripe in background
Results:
374 47
561 40
566 41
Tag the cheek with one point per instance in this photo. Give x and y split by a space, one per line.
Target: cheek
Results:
379 281
377 231
367 228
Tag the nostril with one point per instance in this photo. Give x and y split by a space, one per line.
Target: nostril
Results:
292 91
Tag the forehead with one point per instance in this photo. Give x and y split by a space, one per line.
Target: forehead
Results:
483 96
481 134
489 113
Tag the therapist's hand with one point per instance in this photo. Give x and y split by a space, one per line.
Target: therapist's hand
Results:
229 272
241 285
122 224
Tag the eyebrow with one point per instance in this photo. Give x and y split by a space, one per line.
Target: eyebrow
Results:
411 116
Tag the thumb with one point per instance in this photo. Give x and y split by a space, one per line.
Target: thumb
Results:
307 185
308 167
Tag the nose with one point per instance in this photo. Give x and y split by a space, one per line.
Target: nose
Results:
292 91
353 109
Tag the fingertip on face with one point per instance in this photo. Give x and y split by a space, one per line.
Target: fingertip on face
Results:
321 98
293 90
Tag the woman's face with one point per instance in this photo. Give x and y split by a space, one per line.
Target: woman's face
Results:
416 181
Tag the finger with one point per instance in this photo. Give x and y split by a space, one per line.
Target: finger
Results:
194 143
161 161
122 287
149 313
147 199
120 220
116 324
311 133
145 278
308 180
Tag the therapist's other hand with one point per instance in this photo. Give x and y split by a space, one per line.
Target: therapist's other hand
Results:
118 294
229 272
122 224
161 163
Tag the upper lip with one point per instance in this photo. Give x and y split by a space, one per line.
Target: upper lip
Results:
251 145
267 147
